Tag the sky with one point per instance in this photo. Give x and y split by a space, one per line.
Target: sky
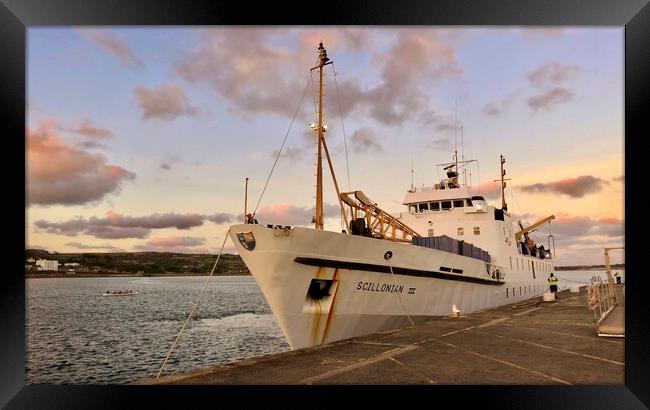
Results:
140 138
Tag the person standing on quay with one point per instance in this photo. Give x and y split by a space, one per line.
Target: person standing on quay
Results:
552 280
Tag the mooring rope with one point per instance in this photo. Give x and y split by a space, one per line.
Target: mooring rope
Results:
398 293
198 300
569 280
281 147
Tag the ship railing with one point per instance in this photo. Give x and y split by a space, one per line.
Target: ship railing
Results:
494 271
601 298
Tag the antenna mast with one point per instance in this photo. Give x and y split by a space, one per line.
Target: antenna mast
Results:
412 186
462 150
504 206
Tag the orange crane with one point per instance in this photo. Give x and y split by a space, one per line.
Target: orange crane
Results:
525 231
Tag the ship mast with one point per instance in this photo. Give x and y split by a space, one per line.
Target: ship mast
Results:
504 206
323 60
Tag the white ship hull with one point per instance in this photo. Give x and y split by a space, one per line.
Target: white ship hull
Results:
365 297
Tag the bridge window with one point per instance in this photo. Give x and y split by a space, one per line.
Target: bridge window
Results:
469 202
446 205
435 206
460 231
477 230
423 207
459 204
413 209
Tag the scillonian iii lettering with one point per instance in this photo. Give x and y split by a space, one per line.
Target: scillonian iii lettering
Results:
377 287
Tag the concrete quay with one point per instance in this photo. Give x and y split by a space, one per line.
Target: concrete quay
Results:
529 343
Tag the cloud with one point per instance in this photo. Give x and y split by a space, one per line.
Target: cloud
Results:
549 98
87 129
80 245
221 218
155 221
286 214
175 242
573 187
240 64
550 79
93 227
116 226
495 109
569 228
58 173
113 45
440 144
165 102
90 144
364 141
167 163
354 39
552 74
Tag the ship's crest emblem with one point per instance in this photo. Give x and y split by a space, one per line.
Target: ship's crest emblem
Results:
247 240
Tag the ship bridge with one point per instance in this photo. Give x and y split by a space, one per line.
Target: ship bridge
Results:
437 199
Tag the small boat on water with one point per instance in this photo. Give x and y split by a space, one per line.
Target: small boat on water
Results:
120 293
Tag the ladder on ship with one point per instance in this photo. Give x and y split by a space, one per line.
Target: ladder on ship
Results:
375 222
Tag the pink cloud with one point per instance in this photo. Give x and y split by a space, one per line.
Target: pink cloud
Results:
550 98
573 187
87 129
552 74
113 45
416 60
165 102
364 141
117 226
573 228
58 173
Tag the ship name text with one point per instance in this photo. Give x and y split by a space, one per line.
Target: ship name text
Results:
377 287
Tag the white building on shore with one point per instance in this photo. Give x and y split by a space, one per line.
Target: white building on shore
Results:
47 265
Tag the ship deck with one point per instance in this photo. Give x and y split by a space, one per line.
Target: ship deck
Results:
531 342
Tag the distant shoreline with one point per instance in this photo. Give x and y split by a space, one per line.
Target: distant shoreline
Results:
597 267
124 275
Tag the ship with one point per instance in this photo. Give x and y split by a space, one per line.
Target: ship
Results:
448 253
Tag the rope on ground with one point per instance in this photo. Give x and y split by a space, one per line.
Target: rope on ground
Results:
569 280
398 293
281 147
196 304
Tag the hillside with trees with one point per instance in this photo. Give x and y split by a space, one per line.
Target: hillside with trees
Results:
140 262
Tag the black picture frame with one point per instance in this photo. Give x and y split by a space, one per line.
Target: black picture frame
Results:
634 15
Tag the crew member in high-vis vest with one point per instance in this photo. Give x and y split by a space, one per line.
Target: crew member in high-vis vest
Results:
552 280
